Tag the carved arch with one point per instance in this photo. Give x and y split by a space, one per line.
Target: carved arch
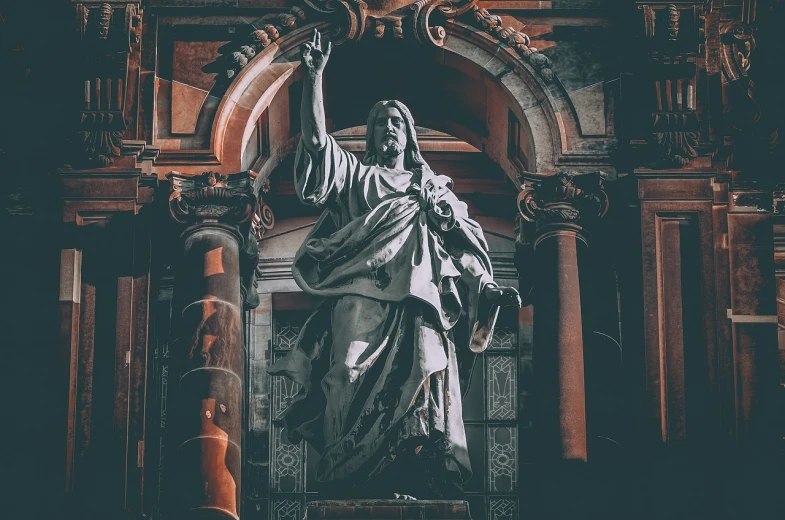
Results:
542 104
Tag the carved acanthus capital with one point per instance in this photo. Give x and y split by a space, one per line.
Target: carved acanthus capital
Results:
212 197
564 198
100 138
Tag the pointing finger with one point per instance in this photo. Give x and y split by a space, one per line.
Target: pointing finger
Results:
317 39
315 35
328 49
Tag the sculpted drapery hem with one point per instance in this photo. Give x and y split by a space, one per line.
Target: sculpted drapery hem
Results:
381 360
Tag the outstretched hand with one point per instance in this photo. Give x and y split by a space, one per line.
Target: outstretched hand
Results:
314 55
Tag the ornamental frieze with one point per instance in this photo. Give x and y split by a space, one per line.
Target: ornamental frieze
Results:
398 19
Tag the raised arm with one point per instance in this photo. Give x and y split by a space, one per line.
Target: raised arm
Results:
314 57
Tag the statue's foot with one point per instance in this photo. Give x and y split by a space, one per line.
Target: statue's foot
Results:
403 497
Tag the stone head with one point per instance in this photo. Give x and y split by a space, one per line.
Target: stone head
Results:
390 132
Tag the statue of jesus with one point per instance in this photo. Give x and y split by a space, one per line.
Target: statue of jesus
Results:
408 298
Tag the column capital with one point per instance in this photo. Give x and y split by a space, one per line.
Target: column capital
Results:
212 197
563 199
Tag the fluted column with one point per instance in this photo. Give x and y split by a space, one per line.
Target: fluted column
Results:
559 206
208 354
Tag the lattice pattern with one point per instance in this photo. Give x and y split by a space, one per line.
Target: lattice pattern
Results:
284 390
504 338
503 459
287 509
286 334
503 509
287 470
164 393
162 401
502 388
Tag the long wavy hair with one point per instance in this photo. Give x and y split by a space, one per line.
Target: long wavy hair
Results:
412 159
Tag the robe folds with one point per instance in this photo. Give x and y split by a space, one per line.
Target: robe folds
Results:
382 359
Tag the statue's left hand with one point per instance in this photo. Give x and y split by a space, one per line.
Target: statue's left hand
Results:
502 296
426 194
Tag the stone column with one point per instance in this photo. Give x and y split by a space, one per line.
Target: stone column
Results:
208 354
559 206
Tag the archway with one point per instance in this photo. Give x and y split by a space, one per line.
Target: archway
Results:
513 91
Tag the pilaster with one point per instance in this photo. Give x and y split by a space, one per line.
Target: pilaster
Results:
104 293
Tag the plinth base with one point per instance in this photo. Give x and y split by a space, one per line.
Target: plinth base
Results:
387 510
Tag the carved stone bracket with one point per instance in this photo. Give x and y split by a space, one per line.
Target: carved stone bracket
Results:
101 138
752 59
676 136
672 28
109 33
564 198
675 34
212 197
743 110
518 41
738 42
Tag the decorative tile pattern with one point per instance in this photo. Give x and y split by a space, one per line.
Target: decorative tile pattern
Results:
502 388
163 389
287 509
504 338
286 333
502 459
503 509
164 393
287 465
284 390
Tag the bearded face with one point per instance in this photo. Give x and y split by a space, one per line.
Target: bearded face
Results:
389 133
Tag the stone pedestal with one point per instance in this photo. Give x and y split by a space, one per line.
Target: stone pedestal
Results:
208 354
387 510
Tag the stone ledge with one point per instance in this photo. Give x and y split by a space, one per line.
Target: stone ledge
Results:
387 509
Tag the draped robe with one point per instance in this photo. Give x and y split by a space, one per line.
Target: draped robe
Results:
381 360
